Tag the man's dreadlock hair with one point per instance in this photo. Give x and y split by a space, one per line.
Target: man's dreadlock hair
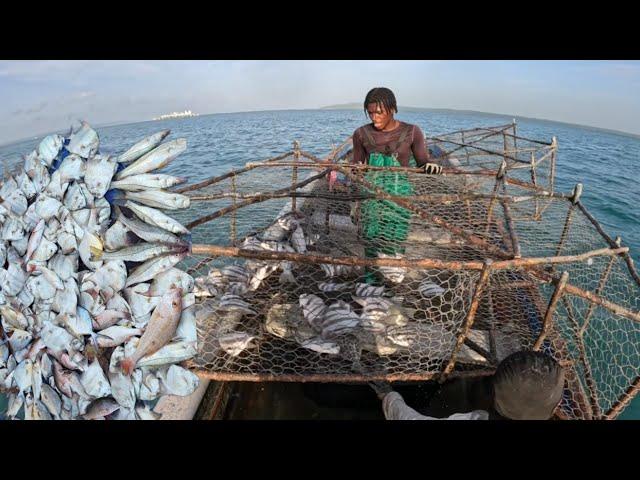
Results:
383 97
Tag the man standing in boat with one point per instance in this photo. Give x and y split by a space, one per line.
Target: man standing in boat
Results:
387 142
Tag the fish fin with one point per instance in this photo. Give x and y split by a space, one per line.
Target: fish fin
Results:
127 365
95 254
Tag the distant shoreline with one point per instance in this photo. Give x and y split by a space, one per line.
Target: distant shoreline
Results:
348 106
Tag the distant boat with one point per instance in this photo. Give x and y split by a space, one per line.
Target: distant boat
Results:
186 113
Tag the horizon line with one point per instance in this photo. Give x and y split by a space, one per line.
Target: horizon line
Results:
344 106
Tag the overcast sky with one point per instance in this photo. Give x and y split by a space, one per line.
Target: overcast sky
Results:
43 96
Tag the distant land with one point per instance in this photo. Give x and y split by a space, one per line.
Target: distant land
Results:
358 106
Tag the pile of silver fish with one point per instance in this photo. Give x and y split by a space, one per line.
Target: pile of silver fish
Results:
95 317
383 326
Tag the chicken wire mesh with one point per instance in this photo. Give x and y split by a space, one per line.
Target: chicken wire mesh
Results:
305 275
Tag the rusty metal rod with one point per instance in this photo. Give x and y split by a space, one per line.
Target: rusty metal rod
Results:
471 315
565 229
623 401
216 250
599 288
548 316
578 292
512 230
489 152
211 181
435 197
333 378
591 384
231 208
611 241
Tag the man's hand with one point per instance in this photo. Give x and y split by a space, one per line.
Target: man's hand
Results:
432 169
381 388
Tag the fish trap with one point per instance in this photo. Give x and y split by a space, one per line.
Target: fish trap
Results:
316 271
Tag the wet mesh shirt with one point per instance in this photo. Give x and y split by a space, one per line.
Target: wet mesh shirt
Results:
404 140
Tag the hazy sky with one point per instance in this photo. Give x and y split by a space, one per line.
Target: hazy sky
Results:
43 96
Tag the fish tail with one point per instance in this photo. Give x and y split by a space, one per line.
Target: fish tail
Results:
127 365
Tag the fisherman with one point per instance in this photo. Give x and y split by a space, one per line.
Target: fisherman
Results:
388 142
527 385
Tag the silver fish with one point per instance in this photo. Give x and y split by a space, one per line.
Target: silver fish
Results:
49 148
118 237
393 274
235 343
15 403
66 300
313 309
186 331
14 280
55 338
21 245
40 177
337 311
94 381
84 141
334 270
282 320
170 353
122 387
148 232
159 199
156 218
429 289
98 174
147 181
297 240
64 266
140 252
20 339
51 400
231 302
366 290
280 228
35 410
72 168
153 267
13 229
143 146
57 187
26 185
74 198
47 207
236 273
143 412
13 318
156 159
172 278
333 287
138 301
320 345
77 325
116 335
178 381
150 387
101 408
108 318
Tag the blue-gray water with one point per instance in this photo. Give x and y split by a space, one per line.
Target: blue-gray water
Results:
608 164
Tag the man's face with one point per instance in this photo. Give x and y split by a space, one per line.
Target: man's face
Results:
379 116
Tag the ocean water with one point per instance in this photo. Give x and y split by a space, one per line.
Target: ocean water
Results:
606 163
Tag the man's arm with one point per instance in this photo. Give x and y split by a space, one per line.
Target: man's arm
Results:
359 153
421 153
